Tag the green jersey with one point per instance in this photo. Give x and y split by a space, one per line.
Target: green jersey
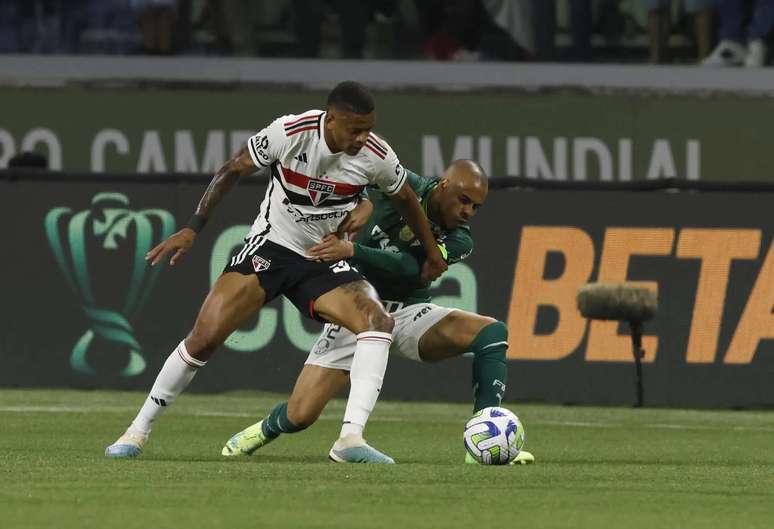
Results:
390 256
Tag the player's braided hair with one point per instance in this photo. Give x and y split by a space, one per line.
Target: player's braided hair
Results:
351 97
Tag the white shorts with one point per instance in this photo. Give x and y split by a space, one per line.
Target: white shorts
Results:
335 347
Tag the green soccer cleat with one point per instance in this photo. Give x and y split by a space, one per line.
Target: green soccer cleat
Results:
354 449
128 445
247 441
524 458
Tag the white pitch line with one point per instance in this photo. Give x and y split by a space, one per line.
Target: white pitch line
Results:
333 416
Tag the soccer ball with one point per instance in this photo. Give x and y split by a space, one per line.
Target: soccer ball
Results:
494 436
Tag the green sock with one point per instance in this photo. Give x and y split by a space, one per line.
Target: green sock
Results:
490 371
278 423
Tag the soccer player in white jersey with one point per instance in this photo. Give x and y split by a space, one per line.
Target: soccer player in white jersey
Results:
320 161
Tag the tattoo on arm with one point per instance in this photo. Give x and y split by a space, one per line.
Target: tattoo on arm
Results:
225 178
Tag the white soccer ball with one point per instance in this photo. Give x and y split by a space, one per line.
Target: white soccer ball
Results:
494 436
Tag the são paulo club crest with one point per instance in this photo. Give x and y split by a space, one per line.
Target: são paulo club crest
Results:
260 264
319 190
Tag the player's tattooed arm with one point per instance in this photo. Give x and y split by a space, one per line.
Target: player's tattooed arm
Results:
179 243
225 179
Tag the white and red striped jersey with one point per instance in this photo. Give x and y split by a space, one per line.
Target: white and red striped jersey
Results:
311 188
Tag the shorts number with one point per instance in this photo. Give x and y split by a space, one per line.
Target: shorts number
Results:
341 266
332 332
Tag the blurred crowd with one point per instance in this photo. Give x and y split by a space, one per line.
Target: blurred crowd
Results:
710 32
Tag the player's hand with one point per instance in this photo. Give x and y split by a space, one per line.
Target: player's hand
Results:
355 219
179 243
331 249
434 267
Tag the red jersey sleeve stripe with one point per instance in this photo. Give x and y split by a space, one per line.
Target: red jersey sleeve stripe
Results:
300 124
377 142
302 118
375 146
296 131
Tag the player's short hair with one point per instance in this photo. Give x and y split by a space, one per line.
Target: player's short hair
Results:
351 96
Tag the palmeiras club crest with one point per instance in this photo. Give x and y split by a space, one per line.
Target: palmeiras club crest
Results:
319 190
82 240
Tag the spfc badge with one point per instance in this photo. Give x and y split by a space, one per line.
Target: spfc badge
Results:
260 264
319 191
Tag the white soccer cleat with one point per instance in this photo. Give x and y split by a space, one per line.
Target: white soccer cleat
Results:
128 445
352 448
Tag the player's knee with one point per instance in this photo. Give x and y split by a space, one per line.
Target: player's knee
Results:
498 330
497 327
378 319
465 329
383 322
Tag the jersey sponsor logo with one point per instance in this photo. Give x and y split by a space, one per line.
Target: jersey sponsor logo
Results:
319 191
422 312
392 306
300 217
260 146
301 158
260 264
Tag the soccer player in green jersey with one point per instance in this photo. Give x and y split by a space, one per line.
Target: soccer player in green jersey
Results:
388 253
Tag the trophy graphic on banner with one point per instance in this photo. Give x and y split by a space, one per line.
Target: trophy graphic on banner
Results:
108 228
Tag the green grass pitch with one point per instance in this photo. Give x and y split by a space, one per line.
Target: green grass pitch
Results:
597 468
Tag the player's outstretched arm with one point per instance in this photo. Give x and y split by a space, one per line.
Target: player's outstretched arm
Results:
179 243
405 201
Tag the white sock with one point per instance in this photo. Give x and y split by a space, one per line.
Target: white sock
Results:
366 376
174 377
